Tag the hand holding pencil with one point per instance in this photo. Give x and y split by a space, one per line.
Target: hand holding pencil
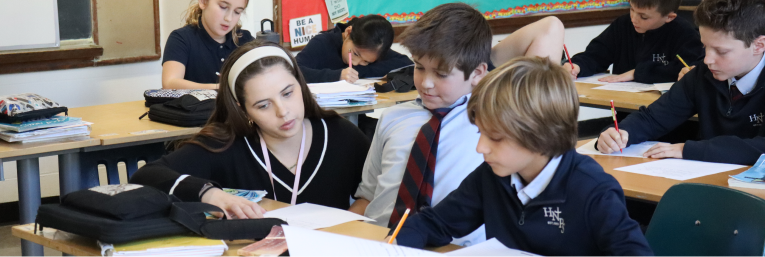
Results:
613 139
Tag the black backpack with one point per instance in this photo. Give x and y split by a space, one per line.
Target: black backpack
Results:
123 213
185 111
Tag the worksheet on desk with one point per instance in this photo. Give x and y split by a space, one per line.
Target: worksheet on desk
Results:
307 242
314 216
633 87
679 169
635 150
594 79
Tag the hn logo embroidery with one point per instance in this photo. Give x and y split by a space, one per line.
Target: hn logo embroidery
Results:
556 219
662 58
756 119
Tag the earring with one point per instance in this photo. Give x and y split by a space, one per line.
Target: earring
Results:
251 124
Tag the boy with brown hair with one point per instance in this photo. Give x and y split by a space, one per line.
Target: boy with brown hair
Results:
726 91
422 149
534 192
642 46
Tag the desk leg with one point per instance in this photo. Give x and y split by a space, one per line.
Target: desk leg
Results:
29 199
354 118
68 175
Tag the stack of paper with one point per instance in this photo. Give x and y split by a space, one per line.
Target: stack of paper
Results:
56 127
343 94
752 178
305 242
633 87
167 246
636 150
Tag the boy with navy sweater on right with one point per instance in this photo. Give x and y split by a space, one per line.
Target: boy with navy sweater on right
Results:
727 92
642 45
534 192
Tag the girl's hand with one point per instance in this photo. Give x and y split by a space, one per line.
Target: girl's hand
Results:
234 207
350 75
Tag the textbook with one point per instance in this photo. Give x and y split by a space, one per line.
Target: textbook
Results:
167 246
81 128
754 177
55 121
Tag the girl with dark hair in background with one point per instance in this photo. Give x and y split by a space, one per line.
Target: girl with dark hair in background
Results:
266 133
368 39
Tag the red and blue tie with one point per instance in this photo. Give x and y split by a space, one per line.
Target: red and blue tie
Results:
416 189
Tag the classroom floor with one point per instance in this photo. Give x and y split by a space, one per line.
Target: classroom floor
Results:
11 245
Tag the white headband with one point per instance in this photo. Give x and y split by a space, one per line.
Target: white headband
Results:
250 57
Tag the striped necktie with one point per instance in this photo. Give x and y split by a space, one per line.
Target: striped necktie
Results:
416 189
735 94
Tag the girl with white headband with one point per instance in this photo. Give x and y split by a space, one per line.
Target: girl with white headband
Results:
267 133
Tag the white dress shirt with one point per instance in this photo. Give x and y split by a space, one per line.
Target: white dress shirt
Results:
747 82
536 186
386 161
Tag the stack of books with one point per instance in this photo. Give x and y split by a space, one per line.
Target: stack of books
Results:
754 177
343 94
56 127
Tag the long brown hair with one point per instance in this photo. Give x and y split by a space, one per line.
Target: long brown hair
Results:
194 13
229 119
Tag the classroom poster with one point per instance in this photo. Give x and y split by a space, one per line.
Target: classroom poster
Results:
303 29
337 9
292 9
407 11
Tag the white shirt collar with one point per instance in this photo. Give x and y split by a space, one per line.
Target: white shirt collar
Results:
536 186
462 100
746 84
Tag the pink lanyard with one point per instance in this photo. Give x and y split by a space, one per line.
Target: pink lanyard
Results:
297 171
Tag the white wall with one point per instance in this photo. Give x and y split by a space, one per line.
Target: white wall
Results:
126 82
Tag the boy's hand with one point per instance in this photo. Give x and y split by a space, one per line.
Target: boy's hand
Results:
574 71
665 150
350 75
611 141
627 76
234 207
684 71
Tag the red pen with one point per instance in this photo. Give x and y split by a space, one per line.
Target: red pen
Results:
613 114
568 56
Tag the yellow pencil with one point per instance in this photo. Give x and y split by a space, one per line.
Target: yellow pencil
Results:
398 228
681 60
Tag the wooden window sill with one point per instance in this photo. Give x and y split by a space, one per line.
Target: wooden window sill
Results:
63 57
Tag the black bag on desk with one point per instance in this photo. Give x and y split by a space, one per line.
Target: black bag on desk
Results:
191 110
158 96
401 80
124 213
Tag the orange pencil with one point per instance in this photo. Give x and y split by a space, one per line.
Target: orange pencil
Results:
398 228
613 114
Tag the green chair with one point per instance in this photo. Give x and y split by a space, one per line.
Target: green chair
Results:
701 219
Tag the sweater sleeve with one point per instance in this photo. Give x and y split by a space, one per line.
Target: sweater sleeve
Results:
726 149
689 48
392 60
599 54
190 159
665 114
615 232
457 215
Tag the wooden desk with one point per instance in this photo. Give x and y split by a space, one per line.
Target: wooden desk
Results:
78 245
399 97
624 101
28 174
652 188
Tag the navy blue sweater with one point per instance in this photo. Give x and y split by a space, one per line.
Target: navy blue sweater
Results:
728 133
651 54
321 60
581 212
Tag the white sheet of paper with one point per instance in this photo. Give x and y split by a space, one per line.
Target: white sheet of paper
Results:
491 247
636 150
678 169
306 242
663 86
593 79
364 82
314 216
633 87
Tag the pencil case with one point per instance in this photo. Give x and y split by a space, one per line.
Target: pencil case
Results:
28 106
158 96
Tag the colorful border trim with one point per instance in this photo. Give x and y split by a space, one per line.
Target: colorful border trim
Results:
517 11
